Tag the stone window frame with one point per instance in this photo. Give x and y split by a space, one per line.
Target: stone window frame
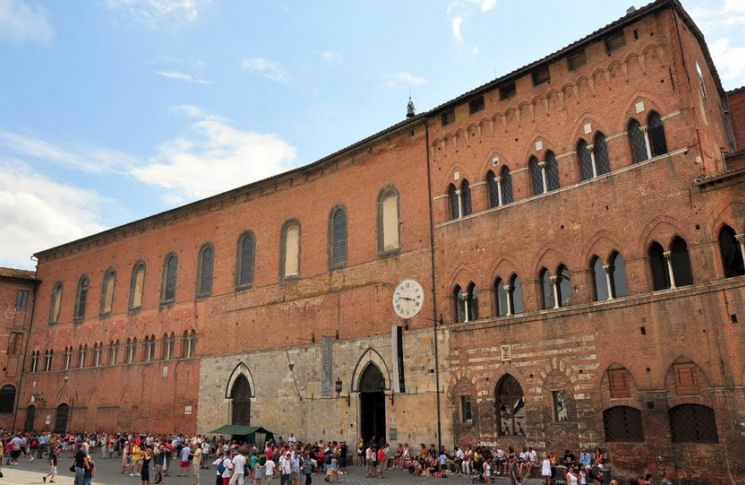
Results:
731 251
81 298
110 273
165 298
244 276
283 233
389 190
56 303
133 285
200 291
333 262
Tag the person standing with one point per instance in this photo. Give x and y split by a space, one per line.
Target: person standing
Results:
196 462
183 470
90 468
486 467
239 469
53 453
81 464
145 471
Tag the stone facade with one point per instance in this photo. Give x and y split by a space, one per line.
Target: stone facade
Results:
601 181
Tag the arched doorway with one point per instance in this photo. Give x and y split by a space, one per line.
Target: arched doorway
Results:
510 407
372 404
241 402
60 422
30 418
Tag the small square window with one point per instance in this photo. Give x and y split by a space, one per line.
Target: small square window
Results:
476 105
541 75
614 42
576 60
507 91
466 412
447 117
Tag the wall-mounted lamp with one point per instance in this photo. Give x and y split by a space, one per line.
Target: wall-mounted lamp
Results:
337 388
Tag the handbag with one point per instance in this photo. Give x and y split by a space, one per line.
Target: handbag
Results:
72 468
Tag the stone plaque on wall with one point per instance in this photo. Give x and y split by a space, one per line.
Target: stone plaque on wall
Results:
326 366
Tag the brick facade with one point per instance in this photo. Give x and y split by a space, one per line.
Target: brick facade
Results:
655 348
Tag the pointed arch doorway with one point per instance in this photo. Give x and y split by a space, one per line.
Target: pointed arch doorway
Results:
372 404
240 394
60 422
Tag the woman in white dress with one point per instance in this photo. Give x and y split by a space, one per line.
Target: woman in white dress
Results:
546 469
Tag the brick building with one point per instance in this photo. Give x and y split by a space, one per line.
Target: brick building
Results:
17 295
576 227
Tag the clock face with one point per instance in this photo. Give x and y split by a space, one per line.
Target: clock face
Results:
408 299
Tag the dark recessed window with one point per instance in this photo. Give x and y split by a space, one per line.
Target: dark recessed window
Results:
507 91
614 42
576 60
541 75
21 299
476 105
447 117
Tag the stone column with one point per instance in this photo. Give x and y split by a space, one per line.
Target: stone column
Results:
592 159
669 265
741 239
466 316
544 176
499 190
606 268
460 203
507 289
647 145
555 287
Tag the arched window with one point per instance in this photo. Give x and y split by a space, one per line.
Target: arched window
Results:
729 248
68 357
658 144
7 399
547 289
495 199
516 295
54 308
48 355
389 238
82 353
600 153
246 255
137 285
465 196
454 201
289 251
501 296
693 423
563 286
240 395
168 283
617 271
81 298
97 352
338 238
149 353
637 142
622 424
205 270
192 348
599 280
131 350
586 163
460 304
536 176
34 361
107 291
510 407
506 185
658 266
113 352
168 344
552 171
472 303
680 263
15 342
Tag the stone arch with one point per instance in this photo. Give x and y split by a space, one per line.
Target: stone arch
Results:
548 144
616 70
240 370
556 364
540 106
732 215
584 87
628 396
687 382
661 229
487 381
651 103
600 79
555 100
461 377
504 268
579 132
450 177
461 138
474 131
370 356
549 258
461 274
602 244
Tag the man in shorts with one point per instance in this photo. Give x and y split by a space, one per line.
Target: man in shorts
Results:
53 452
184 463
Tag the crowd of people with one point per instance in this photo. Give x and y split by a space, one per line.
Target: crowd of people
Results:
151 458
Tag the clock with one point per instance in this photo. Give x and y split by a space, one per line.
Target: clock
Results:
408 299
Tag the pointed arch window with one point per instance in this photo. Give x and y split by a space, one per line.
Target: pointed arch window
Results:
599 280
289 250
131 350
586 163
637 141
107 291
82 298
656 130
168 345
137 285
495 198
15 343
97 353
510 407
515 295
82 351
389 237
338 238
48 355
600 153
732 251
246 257
113 352
168 284
472 303
501 294
191 349
54 309
536 176
552 171
680 263
68 357
460 304
205 270
617 271
506 185
465 196
563 286
658 267
547 289
454 200
500 187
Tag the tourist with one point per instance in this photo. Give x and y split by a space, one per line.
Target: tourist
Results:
486 472
285 469
183 467
260 471
571 477
53 453
145 470
135 452
81 464
196 461
90 467
239 469
269 472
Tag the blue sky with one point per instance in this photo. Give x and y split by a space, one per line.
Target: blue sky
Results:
113 110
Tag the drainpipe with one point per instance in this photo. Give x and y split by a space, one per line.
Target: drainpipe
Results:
25 352
434 284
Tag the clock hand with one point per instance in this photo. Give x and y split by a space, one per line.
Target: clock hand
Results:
406 298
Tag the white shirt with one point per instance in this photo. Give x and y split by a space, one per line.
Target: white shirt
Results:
239 462
228 467
270 468
460 454
185 452
533 456
286 466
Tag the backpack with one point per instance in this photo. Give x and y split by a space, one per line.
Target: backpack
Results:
221 467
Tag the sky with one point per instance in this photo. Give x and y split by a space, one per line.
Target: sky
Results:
113 110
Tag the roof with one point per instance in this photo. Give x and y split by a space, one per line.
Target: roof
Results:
240 430
140 224
20 274
736 91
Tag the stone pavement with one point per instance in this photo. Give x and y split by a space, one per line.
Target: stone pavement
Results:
108 472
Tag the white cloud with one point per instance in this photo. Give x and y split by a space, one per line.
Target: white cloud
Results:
38 213
216 157
729 61
91 159
153 13
22 21
182 76
331 57
475 51
404 77
268 69
456 24
723 23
